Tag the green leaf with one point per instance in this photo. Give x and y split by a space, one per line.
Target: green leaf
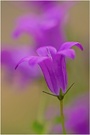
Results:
38 127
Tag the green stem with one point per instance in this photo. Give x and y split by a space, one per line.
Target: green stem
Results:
62 116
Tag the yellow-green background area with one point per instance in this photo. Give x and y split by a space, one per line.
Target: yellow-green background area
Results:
20 108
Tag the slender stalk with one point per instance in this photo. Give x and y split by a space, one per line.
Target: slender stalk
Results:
62 116
69 89
49 94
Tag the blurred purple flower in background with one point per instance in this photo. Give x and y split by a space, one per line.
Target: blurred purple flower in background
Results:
9 59
76 117
53 64
46 28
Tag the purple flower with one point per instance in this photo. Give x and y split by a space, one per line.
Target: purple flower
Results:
53 65
9 58
46 28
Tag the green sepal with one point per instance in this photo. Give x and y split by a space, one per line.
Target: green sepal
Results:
61 95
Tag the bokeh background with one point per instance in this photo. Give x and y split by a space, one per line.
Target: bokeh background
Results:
21 106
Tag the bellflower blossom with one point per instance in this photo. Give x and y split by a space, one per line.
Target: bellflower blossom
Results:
53 65
46 28
9 58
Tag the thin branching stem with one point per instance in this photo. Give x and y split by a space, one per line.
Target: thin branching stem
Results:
49 94
69 89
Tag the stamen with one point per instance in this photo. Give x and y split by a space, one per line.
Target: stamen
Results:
48 52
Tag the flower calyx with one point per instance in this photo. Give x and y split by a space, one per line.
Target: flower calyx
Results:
61 95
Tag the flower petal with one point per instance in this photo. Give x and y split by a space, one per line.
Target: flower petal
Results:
54 71
28 24
49 75
32 60
59 11
68 45
52 24
46 51
60 71
70 53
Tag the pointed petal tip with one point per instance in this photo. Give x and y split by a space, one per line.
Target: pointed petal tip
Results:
16 66
68 45
80 46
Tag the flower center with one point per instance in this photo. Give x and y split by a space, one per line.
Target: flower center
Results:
48 52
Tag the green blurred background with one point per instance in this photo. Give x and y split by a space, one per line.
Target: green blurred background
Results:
21 107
